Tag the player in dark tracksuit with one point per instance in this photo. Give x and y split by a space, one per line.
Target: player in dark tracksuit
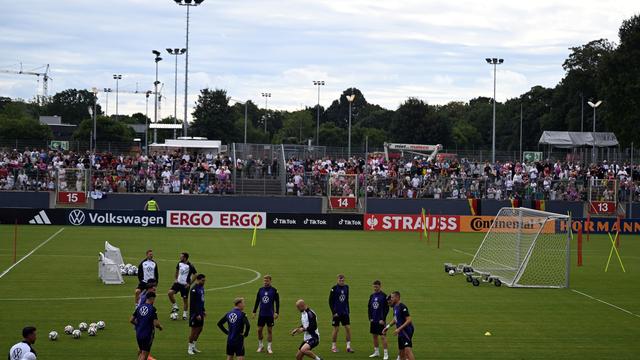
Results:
268 300
339 305
404 327
197 313
145 319
237 329
378 311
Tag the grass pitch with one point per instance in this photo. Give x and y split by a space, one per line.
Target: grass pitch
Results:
58 285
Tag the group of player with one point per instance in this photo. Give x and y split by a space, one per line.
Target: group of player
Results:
235 323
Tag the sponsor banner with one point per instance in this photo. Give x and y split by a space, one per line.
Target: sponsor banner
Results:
82 217
411 222
216 219
603 226
314 221
483 224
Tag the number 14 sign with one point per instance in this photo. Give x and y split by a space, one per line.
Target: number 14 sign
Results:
345 202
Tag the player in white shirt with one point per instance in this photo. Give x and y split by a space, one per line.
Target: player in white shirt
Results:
23 349
148 269
308 326
185 275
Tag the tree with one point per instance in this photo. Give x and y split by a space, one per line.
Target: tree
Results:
23 128
107 129
297 127
417 123
213 117
72 105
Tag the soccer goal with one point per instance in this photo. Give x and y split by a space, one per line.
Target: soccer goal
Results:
109 271
113 253
526 248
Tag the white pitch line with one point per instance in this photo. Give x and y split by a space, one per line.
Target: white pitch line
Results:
258 275
463 252
31 252
606 303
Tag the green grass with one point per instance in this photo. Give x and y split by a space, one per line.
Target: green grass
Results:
450 316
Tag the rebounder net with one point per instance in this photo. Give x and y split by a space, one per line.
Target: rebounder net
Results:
526 248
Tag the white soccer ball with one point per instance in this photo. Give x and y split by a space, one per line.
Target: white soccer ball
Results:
100 325
452 272
173 316
130 272
93 325
83 326
76 334
92 331
68 329
53 335
135 270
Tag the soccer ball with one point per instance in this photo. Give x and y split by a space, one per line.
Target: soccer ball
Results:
93 325
452 272
53 335
130 272
68 329
174 316
83 326
100 325
92 331
135 270
76 334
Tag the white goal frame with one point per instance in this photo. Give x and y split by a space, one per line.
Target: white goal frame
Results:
537 246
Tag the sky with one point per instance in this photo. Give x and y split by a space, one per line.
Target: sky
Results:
391 50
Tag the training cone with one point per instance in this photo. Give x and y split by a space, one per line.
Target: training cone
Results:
487 334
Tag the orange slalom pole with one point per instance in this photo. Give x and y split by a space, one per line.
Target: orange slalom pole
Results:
580 246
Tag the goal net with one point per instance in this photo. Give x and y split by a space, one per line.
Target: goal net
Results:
526 248
109 271
113 253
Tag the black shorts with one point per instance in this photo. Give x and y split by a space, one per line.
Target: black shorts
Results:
312 342
144 344
182 289
375 328
341 319
235 349
194 322
404 341
265 320
142 286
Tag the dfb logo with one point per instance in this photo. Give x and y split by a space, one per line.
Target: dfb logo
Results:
265 299
372 221
77 217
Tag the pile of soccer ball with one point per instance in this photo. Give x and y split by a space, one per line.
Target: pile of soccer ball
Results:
91 329
128 269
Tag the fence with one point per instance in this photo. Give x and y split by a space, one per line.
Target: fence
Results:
74 145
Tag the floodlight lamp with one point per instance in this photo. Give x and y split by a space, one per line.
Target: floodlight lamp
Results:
500 61
198 2
488 60
182 51
155 52
170 51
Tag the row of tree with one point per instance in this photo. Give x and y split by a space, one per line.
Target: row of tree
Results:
598 70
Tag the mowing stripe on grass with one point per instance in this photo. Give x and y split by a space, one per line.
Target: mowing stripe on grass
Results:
31 252
606 303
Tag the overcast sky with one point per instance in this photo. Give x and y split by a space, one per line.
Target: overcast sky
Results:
391 50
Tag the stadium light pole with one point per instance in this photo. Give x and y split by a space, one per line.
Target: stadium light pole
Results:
146 122
188 4
495 62
318 83
95 116
155 84
350 98
594 105
245 116
175 52
266 97
117 78
106 106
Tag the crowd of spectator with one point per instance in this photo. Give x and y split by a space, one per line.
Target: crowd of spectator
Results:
176 172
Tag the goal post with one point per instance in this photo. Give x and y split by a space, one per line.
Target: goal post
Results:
526 248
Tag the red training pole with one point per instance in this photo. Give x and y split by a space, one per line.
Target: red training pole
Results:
439 230
428 227
588 224
619 231
15 241
580 246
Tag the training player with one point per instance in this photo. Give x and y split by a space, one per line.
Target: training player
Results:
145 320
308 326
183 279
148 269
237 329
404 327
269 301
196 313
339 305
24 347
378 311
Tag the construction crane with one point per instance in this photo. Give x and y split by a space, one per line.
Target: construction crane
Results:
41 99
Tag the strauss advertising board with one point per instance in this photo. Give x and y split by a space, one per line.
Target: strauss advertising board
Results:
411 222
